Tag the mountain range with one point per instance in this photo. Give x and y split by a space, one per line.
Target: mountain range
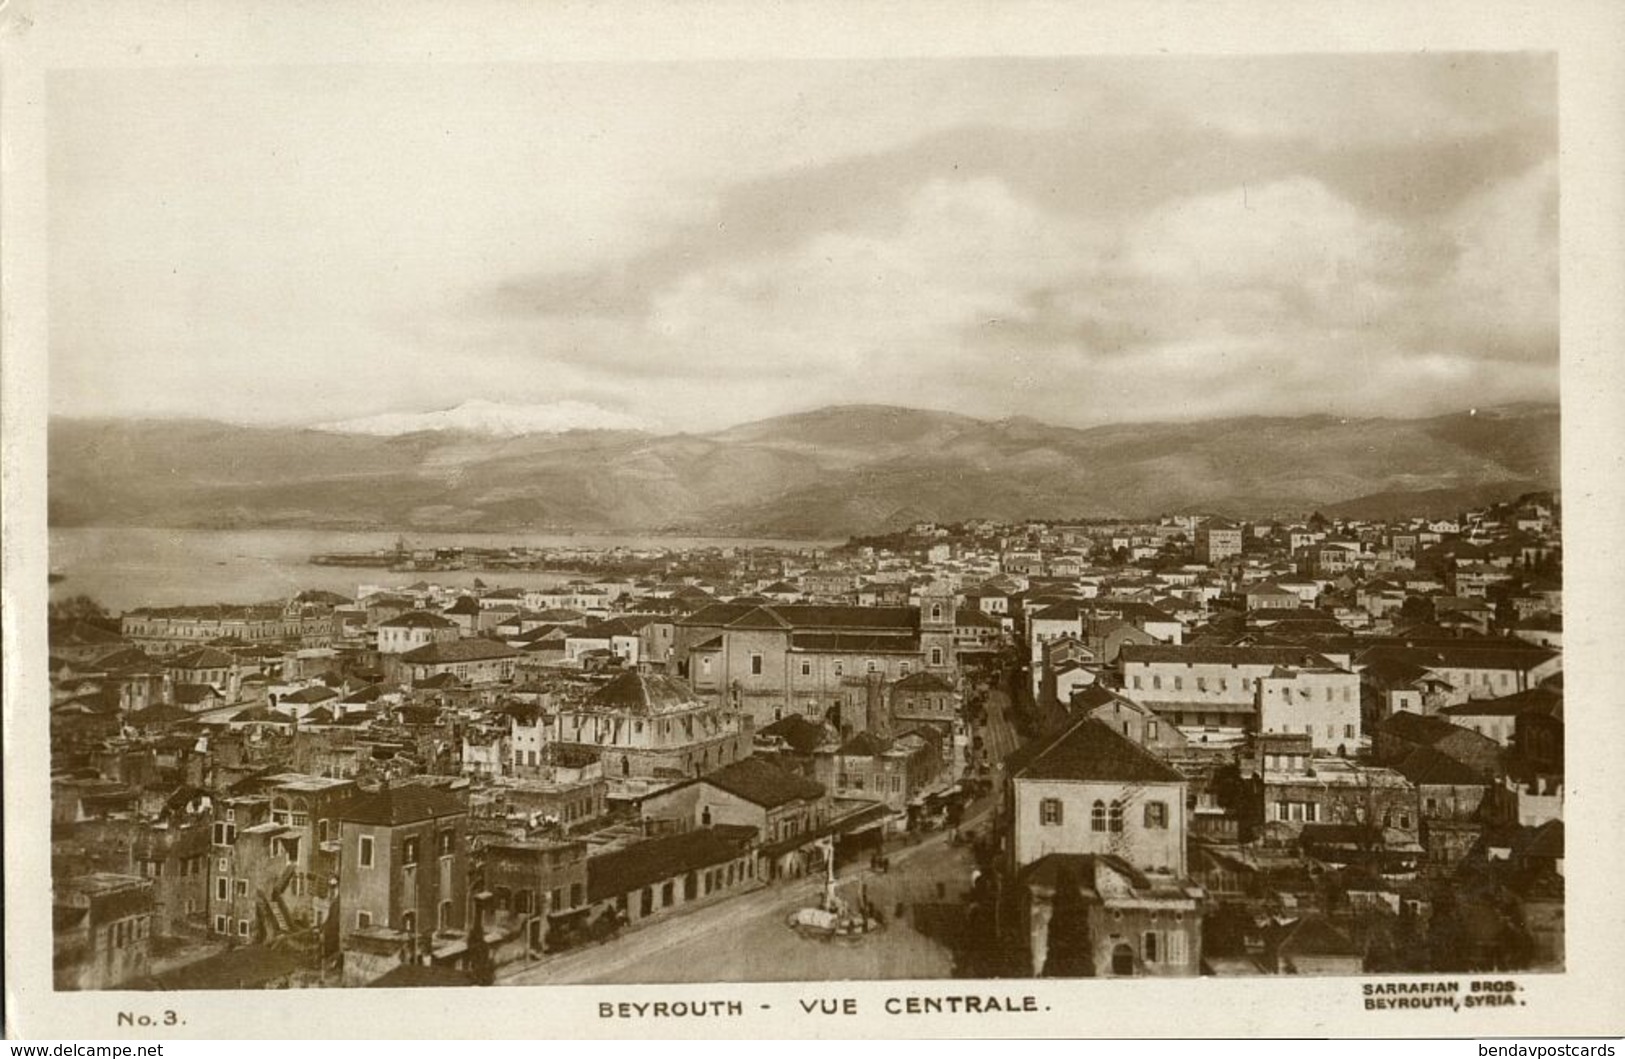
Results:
825 474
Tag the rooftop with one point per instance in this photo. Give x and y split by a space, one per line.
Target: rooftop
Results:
1090 750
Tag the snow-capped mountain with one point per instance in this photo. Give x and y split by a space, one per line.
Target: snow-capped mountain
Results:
493 419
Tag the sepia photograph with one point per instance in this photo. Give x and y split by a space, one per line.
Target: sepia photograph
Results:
980 521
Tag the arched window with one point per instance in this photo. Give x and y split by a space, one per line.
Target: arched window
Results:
1097 817
936 612
1122 961
1117 816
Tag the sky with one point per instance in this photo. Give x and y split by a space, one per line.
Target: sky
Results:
686 246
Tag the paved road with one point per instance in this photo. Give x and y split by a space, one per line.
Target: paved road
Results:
746 939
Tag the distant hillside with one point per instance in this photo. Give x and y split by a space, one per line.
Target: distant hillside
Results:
836 471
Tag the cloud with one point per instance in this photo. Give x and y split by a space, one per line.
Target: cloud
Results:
698 244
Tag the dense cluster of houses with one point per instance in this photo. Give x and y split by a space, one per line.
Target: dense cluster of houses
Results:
1252 748
1328 748
423 781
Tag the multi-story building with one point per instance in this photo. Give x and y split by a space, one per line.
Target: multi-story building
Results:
103 930
1234 690
415 629
166 630
1094 836
1217 540
645 726
769 661
272 856
543 884
471 661
403 873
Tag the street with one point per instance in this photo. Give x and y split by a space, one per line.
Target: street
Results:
746 939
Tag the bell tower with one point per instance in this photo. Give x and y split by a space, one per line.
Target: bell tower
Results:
937 623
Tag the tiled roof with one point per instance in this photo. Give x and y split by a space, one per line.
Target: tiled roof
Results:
809 617
1092 750
763 783
643 694
1425 765
804 736
1535 700
470 650
392 806
202 658
654 860
864 744
844 642
1223 656
923 681
314 693
418 619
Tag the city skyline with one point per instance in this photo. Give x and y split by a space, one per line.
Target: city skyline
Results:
684 247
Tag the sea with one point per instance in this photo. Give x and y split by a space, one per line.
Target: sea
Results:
124 567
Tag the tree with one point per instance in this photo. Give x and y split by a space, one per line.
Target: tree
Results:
1071 947
1416 610
81 608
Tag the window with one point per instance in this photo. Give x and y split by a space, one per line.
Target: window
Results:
936 656
363 920
806 668
1156 682
1179 683
1348 731
1151 730
220 889
1049 812
1156 815
242 928
1097 817
321 831
1136 683
242 887
869 666
409 852
1116 823
839 667
366 851
1176 947
445 914
1149 946
1201 683
220 925
756 665
575 894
